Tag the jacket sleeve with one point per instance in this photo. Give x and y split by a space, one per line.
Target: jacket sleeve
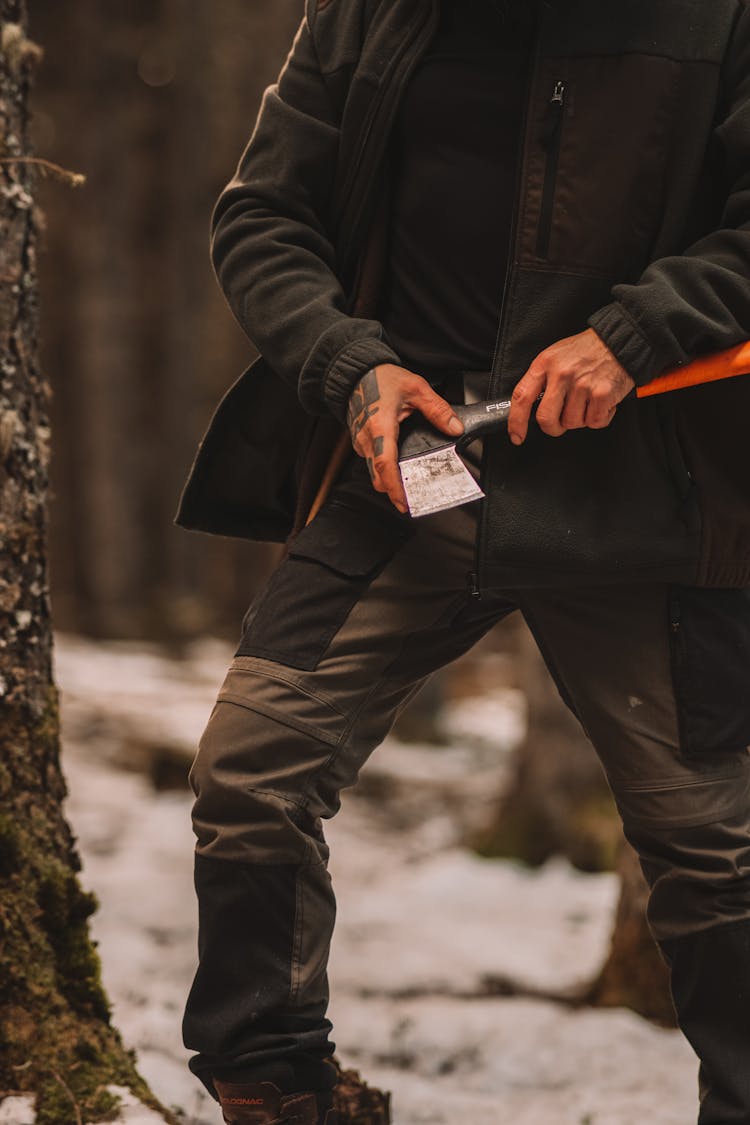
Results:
273 256
699 301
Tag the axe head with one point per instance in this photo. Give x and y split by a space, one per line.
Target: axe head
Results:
437 480
433 474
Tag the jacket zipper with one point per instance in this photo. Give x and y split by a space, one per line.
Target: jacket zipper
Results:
368 157
675 616
550 138
474 578
472 586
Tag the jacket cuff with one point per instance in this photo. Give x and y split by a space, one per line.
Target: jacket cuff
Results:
348 366
625 339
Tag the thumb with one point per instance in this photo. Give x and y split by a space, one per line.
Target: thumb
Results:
439 412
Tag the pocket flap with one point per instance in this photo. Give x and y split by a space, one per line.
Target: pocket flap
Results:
711 667
351 541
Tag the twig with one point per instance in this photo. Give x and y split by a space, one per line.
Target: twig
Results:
488 988
71 1095
73 179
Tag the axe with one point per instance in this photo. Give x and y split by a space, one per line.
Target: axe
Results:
435 477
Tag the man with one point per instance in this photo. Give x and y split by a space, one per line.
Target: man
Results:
442 201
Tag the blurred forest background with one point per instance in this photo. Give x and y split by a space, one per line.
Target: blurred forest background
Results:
153 102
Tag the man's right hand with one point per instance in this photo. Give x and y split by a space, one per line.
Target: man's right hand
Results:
378 405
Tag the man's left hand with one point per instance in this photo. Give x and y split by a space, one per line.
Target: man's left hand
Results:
581 383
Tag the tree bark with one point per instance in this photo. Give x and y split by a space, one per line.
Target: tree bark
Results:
358 1103
56 1039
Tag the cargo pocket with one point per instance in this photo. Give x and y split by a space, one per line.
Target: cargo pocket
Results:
710 643
329 566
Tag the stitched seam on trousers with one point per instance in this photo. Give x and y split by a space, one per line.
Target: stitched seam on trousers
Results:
299 913
665 824
344 738
265 863
280 717
275 793
679 783
718 813
293 681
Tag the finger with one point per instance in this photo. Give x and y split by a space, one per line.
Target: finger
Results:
436 410
575 407
550 409
387 475
523 398
360 445
600 411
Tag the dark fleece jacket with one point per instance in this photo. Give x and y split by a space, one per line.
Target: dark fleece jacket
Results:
632 216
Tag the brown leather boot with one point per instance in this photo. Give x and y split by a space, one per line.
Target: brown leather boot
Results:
264 1104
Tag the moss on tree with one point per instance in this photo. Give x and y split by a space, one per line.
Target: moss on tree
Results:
56 1038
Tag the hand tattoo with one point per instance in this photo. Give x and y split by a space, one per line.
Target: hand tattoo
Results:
377 451
362 404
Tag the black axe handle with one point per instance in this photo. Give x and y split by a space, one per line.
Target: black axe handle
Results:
418 436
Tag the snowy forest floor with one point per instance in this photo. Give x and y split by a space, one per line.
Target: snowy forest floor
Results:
428 935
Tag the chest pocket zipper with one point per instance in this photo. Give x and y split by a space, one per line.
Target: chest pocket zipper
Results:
551 136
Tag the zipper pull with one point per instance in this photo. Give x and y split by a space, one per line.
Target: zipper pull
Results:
472 582
558 94
553 116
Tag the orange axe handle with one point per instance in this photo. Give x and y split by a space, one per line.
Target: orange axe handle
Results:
705 369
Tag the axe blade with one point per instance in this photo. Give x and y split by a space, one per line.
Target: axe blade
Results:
436 481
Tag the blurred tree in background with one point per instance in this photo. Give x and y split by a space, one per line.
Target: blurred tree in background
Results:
153 101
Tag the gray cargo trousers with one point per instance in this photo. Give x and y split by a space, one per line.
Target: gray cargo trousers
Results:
364 607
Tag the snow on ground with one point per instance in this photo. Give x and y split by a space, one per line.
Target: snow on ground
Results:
424 926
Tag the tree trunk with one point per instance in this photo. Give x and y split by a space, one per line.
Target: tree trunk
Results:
357 1103
56 1040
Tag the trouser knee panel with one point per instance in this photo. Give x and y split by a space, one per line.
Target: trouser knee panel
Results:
250 778
699 875
689 798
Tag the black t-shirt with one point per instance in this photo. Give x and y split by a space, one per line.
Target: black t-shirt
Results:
455 147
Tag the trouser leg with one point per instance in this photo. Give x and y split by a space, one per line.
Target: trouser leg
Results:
711 989
307 700
685 803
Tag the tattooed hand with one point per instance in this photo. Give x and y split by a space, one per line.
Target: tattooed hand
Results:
378 405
